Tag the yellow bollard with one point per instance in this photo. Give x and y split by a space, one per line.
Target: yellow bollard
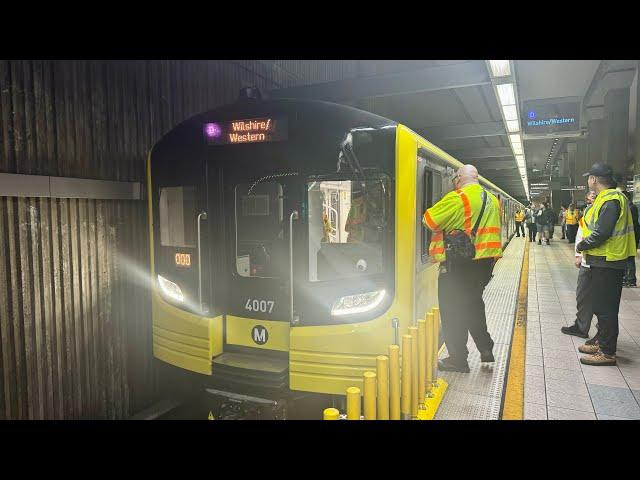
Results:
415 393
353 403
429 353
369 396
331 414
405 406
436 346
422 358
382 369
394 382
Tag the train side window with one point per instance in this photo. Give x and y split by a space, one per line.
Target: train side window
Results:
431 193
178 217
347 219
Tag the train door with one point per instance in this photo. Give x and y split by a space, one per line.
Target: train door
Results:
428 192
259 214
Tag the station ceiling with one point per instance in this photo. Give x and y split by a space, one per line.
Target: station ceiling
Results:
453 104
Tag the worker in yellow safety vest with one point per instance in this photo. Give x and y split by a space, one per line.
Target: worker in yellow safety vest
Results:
607 244
519 218
584 308
468 215
571 219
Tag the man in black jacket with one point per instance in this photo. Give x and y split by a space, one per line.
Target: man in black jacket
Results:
607 255
629 279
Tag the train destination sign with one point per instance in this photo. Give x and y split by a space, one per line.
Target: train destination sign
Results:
252 130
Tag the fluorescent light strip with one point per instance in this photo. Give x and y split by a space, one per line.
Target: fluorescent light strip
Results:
506 94
500 68
513 126
510 112
507 98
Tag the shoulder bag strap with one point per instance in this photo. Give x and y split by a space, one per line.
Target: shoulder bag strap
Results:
484 203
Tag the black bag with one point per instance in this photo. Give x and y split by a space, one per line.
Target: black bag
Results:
458 244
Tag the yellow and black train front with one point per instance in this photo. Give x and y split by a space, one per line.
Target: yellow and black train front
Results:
277 257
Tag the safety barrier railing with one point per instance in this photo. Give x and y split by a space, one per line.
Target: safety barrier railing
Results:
405 384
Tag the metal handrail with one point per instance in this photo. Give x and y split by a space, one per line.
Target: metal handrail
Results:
294 216
201 216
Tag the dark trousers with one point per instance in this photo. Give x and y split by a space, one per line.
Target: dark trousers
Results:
462 307
572 230
584 306
564 230
630 271
519 228
606 290
532 231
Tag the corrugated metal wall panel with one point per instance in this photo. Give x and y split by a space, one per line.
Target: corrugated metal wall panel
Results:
75 329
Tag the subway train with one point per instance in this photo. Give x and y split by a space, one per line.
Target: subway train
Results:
287 246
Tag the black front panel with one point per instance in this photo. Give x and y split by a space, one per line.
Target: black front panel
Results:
253 187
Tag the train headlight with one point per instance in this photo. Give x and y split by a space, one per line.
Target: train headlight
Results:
359 303
170 289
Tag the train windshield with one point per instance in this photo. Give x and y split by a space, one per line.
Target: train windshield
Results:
346 227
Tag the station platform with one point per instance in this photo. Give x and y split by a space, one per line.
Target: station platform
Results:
556 385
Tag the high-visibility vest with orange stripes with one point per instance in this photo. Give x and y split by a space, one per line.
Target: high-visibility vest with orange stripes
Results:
571 217
459 210
519 216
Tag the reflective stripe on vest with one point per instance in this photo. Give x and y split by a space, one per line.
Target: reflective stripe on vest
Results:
519 216
621 244
488 240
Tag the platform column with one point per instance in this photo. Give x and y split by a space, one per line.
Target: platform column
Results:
616 129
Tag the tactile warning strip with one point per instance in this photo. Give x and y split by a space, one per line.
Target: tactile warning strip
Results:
477 395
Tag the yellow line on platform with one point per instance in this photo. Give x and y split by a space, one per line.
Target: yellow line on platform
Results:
514 393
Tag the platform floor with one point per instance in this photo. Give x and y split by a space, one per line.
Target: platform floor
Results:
478 395
557 385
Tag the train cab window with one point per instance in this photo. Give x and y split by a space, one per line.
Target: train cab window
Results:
347 219
178 217
260 245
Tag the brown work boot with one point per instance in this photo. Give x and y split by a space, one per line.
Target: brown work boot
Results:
587 348
599 359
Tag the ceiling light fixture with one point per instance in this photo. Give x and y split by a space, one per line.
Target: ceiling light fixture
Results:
513 126
506 94
500 68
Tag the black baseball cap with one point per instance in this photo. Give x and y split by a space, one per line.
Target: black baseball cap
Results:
600 170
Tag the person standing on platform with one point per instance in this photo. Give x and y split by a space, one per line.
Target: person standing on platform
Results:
543 221
584 308
466 242
539 212
629 279
531 222
607 244
571 216
519 217
553 219
563 222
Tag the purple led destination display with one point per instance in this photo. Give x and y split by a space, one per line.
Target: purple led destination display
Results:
252 130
